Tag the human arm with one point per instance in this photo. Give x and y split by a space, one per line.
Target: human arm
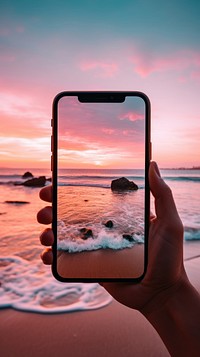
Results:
176 317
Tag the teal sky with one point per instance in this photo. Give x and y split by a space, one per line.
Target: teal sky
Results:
48 46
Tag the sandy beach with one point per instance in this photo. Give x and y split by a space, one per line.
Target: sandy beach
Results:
111 331
103 263
114 330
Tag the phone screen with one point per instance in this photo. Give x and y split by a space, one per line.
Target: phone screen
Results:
100 187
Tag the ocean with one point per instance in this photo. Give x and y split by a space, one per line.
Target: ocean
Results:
25 283
89 191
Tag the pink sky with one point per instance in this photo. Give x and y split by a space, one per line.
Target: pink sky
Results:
101 135
38 61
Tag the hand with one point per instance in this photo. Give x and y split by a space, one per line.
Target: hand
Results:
165 271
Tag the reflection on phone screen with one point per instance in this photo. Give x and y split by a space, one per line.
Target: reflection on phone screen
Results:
101 189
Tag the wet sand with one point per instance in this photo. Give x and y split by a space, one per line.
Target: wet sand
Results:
111 331
114 330
103 263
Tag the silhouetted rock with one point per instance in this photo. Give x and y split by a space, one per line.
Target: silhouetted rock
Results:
128 237
109 224
27 174
17 202
35 182
123 184
86 233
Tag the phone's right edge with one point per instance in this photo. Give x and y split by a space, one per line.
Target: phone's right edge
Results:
148 154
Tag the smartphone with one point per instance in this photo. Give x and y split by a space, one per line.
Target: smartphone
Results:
100 161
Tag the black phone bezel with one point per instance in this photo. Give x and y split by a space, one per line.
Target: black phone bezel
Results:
99 96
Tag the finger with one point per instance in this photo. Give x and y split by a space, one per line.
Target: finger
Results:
164 202
47 256
46 193
47 237
152 215
44 216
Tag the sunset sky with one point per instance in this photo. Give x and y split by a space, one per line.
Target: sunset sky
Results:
103 135
47 47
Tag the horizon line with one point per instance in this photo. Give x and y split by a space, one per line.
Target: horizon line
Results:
100 168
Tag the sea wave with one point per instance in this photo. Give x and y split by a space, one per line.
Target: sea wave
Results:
28 286
182 178
191 233
82 184
99 177
10 176
99 180
102 238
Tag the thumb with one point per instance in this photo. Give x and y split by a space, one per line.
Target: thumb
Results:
164 202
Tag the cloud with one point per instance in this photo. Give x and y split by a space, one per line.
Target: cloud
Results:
108 131
195 75
15 105
96 155
146 63
24 148
95 134
132 116
100 68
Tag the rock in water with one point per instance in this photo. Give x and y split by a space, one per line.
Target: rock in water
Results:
123 184
35 182
128 237
86 233
109 224
17 202
27 174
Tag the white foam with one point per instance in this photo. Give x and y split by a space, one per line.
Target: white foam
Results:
191 233
103 238
29 286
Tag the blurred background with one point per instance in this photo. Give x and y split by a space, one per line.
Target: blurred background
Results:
47 47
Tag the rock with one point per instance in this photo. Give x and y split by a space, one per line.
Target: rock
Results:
109 224
17 202
86 233
83 230
123 184
27 174
128 237
35 182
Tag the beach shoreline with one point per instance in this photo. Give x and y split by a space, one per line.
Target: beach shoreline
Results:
113 330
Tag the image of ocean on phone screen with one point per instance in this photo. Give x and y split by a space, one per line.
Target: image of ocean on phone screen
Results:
98 177
87 207
27 284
